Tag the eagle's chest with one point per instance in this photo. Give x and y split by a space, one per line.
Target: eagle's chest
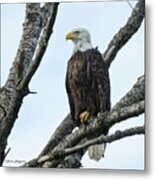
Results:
77 69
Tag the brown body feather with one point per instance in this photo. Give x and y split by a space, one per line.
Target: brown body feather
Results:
87 84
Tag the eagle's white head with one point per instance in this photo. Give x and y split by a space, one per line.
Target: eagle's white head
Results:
81 39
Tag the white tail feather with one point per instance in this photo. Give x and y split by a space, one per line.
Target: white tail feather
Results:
96 152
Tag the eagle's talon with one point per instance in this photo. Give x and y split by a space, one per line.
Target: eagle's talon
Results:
84 117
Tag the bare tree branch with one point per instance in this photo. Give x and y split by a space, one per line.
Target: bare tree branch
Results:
107 139
125 33
10 98
99 140
15 88
43 43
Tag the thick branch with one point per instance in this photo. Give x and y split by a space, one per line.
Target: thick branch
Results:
126 32
22 70
43 43
10 98
117 116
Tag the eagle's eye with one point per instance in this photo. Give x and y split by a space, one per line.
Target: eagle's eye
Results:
77 32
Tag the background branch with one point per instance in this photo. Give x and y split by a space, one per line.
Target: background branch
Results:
125 33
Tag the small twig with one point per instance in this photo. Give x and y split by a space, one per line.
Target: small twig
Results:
32 92
4 155
128 1
140 14
7 152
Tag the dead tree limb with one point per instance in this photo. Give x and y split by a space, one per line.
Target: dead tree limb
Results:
125 33
107 139
16 86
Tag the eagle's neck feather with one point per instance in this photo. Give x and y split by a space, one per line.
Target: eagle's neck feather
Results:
82 46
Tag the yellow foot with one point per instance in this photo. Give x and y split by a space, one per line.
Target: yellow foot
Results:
84 117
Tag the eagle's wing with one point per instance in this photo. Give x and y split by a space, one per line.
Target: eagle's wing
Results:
70 98
98 75
76 85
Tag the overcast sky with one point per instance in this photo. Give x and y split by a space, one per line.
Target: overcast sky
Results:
40 114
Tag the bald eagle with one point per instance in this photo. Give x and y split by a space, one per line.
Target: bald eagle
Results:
87 83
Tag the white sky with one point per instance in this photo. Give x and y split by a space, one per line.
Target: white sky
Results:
42 113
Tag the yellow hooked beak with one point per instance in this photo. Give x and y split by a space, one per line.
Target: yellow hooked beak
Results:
70 36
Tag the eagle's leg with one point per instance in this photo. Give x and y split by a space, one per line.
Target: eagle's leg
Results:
84 117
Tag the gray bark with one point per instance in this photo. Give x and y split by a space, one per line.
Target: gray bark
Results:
16 86
125 33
